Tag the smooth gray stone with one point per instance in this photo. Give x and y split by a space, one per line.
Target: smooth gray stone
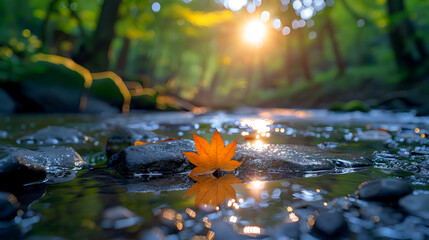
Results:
9 205
330 224
386 189
168 157
123 137
417 205
54 135
17 170
59 163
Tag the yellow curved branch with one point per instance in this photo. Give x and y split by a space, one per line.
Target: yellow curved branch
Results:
121 85
67 63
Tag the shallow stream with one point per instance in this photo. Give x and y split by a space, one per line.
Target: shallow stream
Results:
75 207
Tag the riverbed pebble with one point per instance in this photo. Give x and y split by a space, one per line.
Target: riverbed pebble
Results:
386 189
417 205
9 206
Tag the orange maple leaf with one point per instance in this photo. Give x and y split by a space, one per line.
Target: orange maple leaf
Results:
211 157
213 191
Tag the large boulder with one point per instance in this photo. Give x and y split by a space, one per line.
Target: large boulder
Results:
167 157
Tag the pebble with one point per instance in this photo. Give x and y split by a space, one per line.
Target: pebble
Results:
9 206
290 230
417 205
331 224
386 189
374 135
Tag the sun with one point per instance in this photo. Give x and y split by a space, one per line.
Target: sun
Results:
254 32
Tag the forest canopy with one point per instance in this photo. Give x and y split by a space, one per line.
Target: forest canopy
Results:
343 54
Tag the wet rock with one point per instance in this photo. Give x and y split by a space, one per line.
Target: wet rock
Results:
153 234
224 230
330 224
328 145
54 135
27 194
168 157
374 135
161 157
7 103
123 137
409 136
424 168
119 217
56 161
416 205
420 152
9 206
282 157
380 213
386 189
17 170
290 230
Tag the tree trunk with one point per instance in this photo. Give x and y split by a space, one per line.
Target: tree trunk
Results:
44 28
95 55
338 58
121 64
409 49
303 57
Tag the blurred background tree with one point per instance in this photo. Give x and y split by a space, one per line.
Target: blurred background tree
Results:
343 54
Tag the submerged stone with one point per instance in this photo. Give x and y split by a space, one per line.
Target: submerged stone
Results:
288 231
54 135
330 224
161 157
9 206
119 217
416 205
374 135
167 157
123 137
386 189
18 170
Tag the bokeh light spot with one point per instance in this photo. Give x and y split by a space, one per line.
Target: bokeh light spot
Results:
156 7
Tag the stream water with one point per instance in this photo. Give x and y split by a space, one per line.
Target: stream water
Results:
75 208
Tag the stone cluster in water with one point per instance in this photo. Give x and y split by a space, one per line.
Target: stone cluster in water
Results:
386 208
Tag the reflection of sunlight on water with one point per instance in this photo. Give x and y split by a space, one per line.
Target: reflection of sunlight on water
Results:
257 185
259 125
257 145
285 113
252 230
293 217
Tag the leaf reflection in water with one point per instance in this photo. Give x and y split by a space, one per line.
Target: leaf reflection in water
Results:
213 191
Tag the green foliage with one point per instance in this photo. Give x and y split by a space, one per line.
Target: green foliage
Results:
197 48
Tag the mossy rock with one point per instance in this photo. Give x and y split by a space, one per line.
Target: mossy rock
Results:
51 74
351 106
144 101
107 90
